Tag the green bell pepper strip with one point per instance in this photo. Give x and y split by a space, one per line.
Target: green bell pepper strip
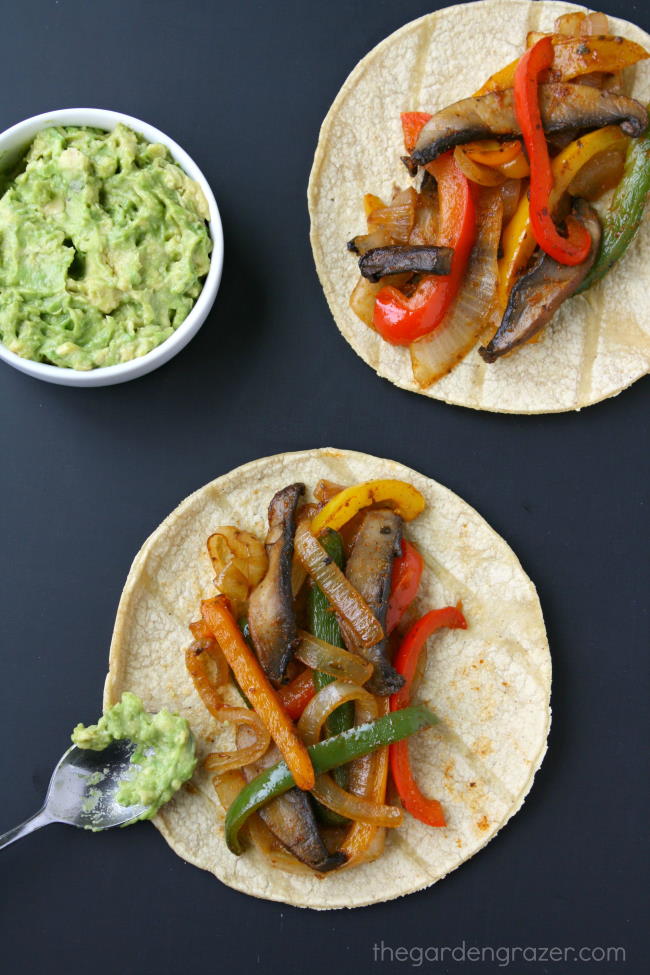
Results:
325 755
626 211
324 625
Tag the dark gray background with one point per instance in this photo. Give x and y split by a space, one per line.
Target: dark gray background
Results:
87 474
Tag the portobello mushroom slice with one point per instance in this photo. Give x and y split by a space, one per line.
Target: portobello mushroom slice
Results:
562 106
291 819
271 617
538 294
380 261
369 569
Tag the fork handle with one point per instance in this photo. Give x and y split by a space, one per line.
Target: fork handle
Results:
41 818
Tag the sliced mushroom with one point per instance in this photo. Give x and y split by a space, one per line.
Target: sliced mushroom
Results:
562 106
380 261
291 819
271 615
539 293
370 570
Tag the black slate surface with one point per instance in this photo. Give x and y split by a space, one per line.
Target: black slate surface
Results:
87 474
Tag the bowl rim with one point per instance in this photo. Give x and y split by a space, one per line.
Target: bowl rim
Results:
108 119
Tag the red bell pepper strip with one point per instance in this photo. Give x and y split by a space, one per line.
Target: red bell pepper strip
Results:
407 571
569 250
297 694
428 811
412 125
401 320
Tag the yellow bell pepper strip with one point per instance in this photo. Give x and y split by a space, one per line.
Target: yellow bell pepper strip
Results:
517 168
325 755
575 56
428 811
574 248
400 320
518 242
400 495
255 685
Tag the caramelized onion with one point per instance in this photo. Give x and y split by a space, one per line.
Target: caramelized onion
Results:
226 761
483 175
357 807
328 699
325 490
354 807
332 660
341 595
368 777
595 23
365 242
239 560
436 354
600 173
228 786
398 218
425 228
207 687
364 294
510 195
569 24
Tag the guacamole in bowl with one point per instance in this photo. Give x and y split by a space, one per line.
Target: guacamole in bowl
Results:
104 247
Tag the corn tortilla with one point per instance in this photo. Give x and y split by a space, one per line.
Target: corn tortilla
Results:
597 343
489 685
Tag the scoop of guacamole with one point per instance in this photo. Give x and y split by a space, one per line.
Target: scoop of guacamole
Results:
103 248
164 757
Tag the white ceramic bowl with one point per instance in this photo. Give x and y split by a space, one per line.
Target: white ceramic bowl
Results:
12 143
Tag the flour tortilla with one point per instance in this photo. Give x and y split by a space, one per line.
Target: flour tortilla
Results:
598 343
489 685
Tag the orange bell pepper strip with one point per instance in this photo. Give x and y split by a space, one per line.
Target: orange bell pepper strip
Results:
255 685
571 250
401 320
428 811
574 56
297 694
517 168
407 572
492 153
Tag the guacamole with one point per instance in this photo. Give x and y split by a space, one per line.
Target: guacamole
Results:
103 248
164 757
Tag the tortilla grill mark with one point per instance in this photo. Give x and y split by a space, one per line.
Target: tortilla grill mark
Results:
562 106
369 570
540 291
271 613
